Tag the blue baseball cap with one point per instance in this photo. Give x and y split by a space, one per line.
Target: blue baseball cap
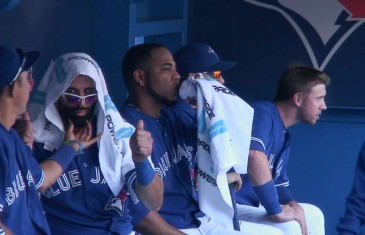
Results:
199 57
13 61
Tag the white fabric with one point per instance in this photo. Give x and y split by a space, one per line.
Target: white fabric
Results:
224 125
209 227
115 156
258 215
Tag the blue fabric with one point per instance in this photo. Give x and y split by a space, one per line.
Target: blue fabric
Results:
20 176
354 216
80 202
174 146
64 157
268 197
145 173
269 136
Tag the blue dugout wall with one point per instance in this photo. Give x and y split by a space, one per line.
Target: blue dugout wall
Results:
262 36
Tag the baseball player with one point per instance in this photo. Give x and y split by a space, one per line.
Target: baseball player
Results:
92 194
151 78
265 197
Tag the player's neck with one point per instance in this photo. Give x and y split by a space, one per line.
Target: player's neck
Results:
7 115
288 113
146 105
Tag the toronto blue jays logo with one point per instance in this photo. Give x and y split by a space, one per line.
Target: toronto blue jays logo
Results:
322 26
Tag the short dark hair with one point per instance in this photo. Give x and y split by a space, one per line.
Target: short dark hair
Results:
137 57
299 78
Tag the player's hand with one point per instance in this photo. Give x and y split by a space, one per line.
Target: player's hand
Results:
81 134
300 216
24 128
141 143
234 177
288 214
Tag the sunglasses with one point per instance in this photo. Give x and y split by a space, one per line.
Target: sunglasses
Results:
76 99
216 74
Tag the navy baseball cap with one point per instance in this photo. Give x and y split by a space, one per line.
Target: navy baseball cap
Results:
13 61
199 57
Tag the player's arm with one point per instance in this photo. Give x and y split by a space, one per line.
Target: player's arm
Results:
149 186
264 187
75 142
154 224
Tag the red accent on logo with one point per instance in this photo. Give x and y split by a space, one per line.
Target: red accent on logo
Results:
123 196
355 7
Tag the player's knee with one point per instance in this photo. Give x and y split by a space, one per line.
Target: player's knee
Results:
312 212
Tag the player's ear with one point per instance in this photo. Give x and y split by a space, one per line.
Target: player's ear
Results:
297 98
139 76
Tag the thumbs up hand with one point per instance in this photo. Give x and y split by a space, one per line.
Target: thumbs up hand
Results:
141 143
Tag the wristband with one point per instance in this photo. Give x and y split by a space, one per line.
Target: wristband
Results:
145 173
268 197
63 156
81 145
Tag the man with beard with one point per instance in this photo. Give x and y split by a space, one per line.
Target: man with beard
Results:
151 78
91 196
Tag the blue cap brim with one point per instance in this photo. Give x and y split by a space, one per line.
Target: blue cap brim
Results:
31 58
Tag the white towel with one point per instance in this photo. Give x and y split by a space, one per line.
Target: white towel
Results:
115 156
224 132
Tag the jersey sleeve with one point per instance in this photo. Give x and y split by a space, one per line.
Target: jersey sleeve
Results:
137 211
354 215
136 208
186 114
35 170
261 127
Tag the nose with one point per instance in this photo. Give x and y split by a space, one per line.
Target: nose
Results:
176 75
324 106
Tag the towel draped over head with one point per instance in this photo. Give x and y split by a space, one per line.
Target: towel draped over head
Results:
224 125
114 151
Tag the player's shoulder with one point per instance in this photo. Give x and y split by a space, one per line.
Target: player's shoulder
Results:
264 105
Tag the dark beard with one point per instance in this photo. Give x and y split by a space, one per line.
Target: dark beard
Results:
160 99
80 122
68 113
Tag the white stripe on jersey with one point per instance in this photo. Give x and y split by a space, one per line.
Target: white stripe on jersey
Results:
285 184
259 141
40 181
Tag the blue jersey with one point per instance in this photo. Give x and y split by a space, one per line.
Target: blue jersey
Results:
20 176
174 136
354 217
80 202
269 136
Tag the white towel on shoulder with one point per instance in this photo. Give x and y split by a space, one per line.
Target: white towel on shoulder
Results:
115 156
224 133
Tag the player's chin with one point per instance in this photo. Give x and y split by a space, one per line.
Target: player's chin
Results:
313 121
